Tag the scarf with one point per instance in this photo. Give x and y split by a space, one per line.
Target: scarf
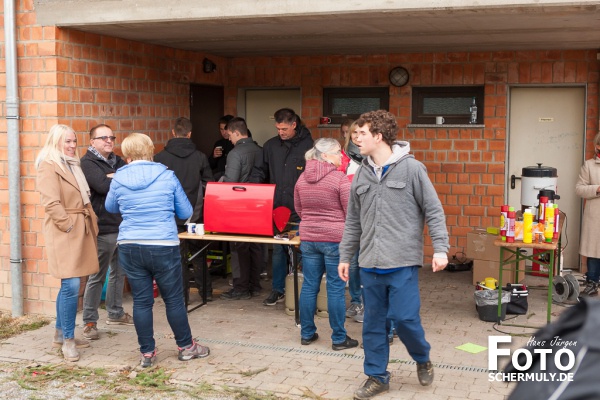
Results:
111 160
75 167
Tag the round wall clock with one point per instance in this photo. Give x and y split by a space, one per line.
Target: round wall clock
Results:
399 76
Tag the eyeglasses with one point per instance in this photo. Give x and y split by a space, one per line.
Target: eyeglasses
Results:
105 138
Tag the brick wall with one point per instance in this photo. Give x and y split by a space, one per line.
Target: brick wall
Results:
83 79
466 165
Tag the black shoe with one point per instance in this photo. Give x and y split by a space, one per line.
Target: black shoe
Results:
391 339
425 373
233 295
370 388
274 298
255 292
590 290
306 342
346 344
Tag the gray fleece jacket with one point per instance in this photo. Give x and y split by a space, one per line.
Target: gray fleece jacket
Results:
387 213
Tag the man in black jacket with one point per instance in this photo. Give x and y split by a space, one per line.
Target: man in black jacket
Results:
99 165
192 168
283 162
222 147
247 259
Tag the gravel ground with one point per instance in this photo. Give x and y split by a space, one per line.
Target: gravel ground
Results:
113 386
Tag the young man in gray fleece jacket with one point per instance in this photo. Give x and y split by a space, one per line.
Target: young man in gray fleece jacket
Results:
390 200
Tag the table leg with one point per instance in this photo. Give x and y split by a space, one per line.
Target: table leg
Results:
204 279
550 285
500 268
293 266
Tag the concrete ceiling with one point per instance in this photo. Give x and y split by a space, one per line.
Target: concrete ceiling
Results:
362 30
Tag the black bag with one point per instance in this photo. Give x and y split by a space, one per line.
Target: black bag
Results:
459 262
518 299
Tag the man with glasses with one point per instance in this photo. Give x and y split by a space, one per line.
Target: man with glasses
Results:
99 165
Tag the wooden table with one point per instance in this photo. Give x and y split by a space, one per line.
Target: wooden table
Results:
538 258
292 244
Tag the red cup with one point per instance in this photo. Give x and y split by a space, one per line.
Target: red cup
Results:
324 120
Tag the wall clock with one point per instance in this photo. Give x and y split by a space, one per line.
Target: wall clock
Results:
398 76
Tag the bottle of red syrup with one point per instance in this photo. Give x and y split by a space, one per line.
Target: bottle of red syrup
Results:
510 231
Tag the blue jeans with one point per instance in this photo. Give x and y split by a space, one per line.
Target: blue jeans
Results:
142 263
280 267
394 296
107 257
354 282
319 258
66 306
593 266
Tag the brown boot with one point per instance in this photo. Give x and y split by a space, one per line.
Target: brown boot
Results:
69 350
58 340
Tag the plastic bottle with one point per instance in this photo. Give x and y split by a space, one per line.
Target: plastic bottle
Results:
527 226
503 221
556 221
510 231
542 209
473 111
549 224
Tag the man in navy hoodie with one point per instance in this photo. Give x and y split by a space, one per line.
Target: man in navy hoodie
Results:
192 168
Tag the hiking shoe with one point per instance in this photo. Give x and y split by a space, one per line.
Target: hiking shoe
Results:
425 373
306 342
346 344
233 295
371 387
274 298
264 276
351 311
90 331
590 290
148 359
360 314
195 350
124 319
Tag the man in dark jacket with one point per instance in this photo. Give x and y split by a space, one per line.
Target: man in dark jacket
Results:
283 162
222 147
246 258
99 165
192 168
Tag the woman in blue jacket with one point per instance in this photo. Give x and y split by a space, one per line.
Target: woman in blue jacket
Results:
149 196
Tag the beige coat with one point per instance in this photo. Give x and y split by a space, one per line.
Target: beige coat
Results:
587 184
74 253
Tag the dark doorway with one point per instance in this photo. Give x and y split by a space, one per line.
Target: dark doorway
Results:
206 107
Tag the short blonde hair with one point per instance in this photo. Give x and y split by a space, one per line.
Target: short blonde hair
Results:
138 146
320 147
53 148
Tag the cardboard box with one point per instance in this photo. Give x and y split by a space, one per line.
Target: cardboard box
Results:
484 268
480 246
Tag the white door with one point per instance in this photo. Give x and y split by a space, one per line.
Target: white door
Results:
260 106
546 125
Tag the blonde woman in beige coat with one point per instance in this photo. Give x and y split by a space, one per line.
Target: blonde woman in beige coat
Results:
70 229
588 188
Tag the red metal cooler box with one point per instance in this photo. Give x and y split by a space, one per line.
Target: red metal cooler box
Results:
244 208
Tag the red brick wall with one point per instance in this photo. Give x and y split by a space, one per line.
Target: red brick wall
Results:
466 165
81 79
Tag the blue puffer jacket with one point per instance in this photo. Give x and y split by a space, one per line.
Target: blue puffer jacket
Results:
148 196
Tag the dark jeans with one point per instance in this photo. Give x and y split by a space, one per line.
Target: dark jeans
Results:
593 266
250 259
142 263
394 296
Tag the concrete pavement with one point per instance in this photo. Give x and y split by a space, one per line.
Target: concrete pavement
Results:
258 347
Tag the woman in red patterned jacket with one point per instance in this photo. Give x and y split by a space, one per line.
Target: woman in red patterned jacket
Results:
321 199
